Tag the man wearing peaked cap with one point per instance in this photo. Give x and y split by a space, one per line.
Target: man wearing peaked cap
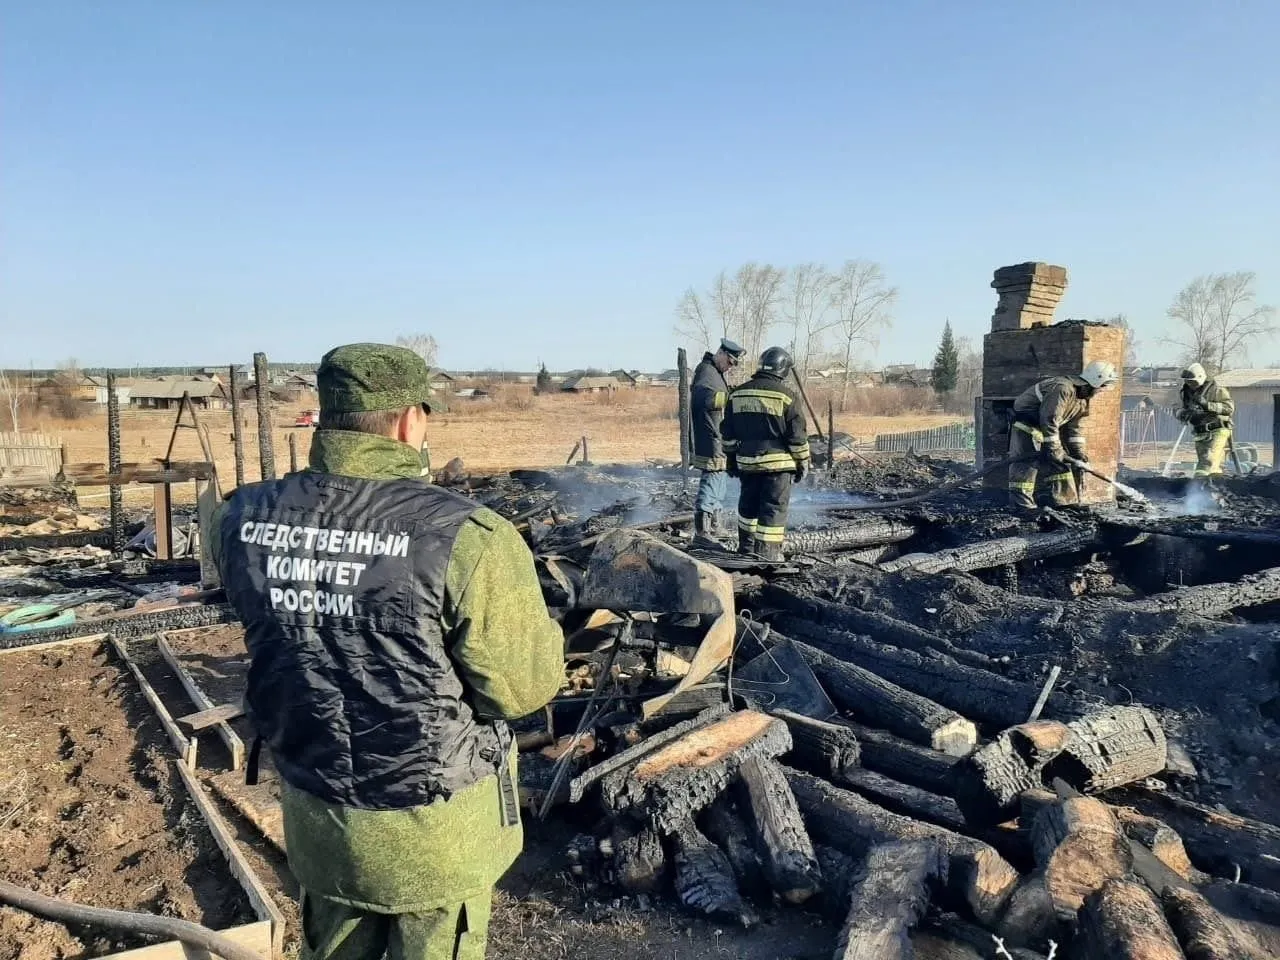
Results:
394 627
709 393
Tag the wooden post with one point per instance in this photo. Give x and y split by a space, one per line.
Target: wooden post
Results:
113 466
831 435
266 443
237 424
586 452
293 452
686 422
1275 432
163 500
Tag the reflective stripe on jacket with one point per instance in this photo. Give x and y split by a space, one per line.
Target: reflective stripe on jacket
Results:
764 426
1210 408
1055 408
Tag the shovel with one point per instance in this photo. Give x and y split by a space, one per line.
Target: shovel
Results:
1121 488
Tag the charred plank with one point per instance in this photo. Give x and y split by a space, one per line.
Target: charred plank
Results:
978 877
906 762
670 785
781 840
889 899
876 701
821 748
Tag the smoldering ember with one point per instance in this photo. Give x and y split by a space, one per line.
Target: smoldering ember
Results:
936 728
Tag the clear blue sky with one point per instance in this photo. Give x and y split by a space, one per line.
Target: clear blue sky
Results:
188 182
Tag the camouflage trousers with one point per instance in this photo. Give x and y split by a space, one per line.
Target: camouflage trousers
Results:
335 931
1211 449
1027 475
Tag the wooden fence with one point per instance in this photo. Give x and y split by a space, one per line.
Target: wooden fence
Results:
951 436
30 454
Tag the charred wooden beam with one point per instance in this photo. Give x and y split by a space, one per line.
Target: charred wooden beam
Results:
822 748
58 541
670 785
971 691
1079 847
1204 933
1031 916
126 626
989 783
878 626
781 840
1111 748
722 824
1215 599
978 876
704 879
977 938
1122 921
889 899
1217 840
639 861
875 700
995 553
906 762
869 532
620 761
903 798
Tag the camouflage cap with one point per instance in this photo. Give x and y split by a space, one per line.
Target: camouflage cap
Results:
363 377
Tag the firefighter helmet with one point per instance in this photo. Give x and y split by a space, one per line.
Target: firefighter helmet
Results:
1195 374
777 361
1099 374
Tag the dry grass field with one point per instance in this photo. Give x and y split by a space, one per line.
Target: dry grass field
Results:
514 428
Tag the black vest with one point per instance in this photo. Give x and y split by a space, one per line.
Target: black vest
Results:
340 584
706 417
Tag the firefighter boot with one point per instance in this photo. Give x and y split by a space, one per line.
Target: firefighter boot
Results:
771 552
747 543
703 529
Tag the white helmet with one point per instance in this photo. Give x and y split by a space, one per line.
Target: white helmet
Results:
1099 374
1195 374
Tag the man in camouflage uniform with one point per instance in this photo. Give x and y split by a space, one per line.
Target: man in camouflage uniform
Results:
708 395
393 627
767 443
1048 427
1207 408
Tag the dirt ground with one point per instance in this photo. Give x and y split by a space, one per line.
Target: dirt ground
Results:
516 431
91 808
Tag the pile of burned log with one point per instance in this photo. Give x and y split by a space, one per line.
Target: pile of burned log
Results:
927 804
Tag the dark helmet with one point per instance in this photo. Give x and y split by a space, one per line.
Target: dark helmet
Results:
777 361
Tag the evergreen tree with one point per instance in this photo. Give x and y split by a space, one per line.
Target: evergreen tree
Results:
946 363
543 383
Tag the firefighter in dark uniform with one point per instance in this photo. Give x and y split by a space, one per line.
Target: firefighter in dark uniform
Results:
766 440
1048 428
708 396
1207 408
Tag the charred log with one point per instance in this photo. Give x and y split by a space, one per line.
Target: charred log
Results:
781 840
1218 841
889 899
1204 933
878 626
1215 599
1079 847
671 785
995 553
1111 748
978 876
639 862
839 875
894 757
903 798
1122 921
961 931
970 691
126 626
850 535
1031 916
722 824
989 783
821 748
874 700
704 879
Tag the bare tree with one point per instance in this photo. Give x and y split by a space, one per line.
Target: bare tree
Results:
1131 341
423 344
968 375
742 306
863 306
1218 319
807 307
12 396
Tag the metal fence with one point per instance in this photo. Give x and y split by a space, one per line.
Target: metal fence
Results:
1158 425
952 436
30 453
